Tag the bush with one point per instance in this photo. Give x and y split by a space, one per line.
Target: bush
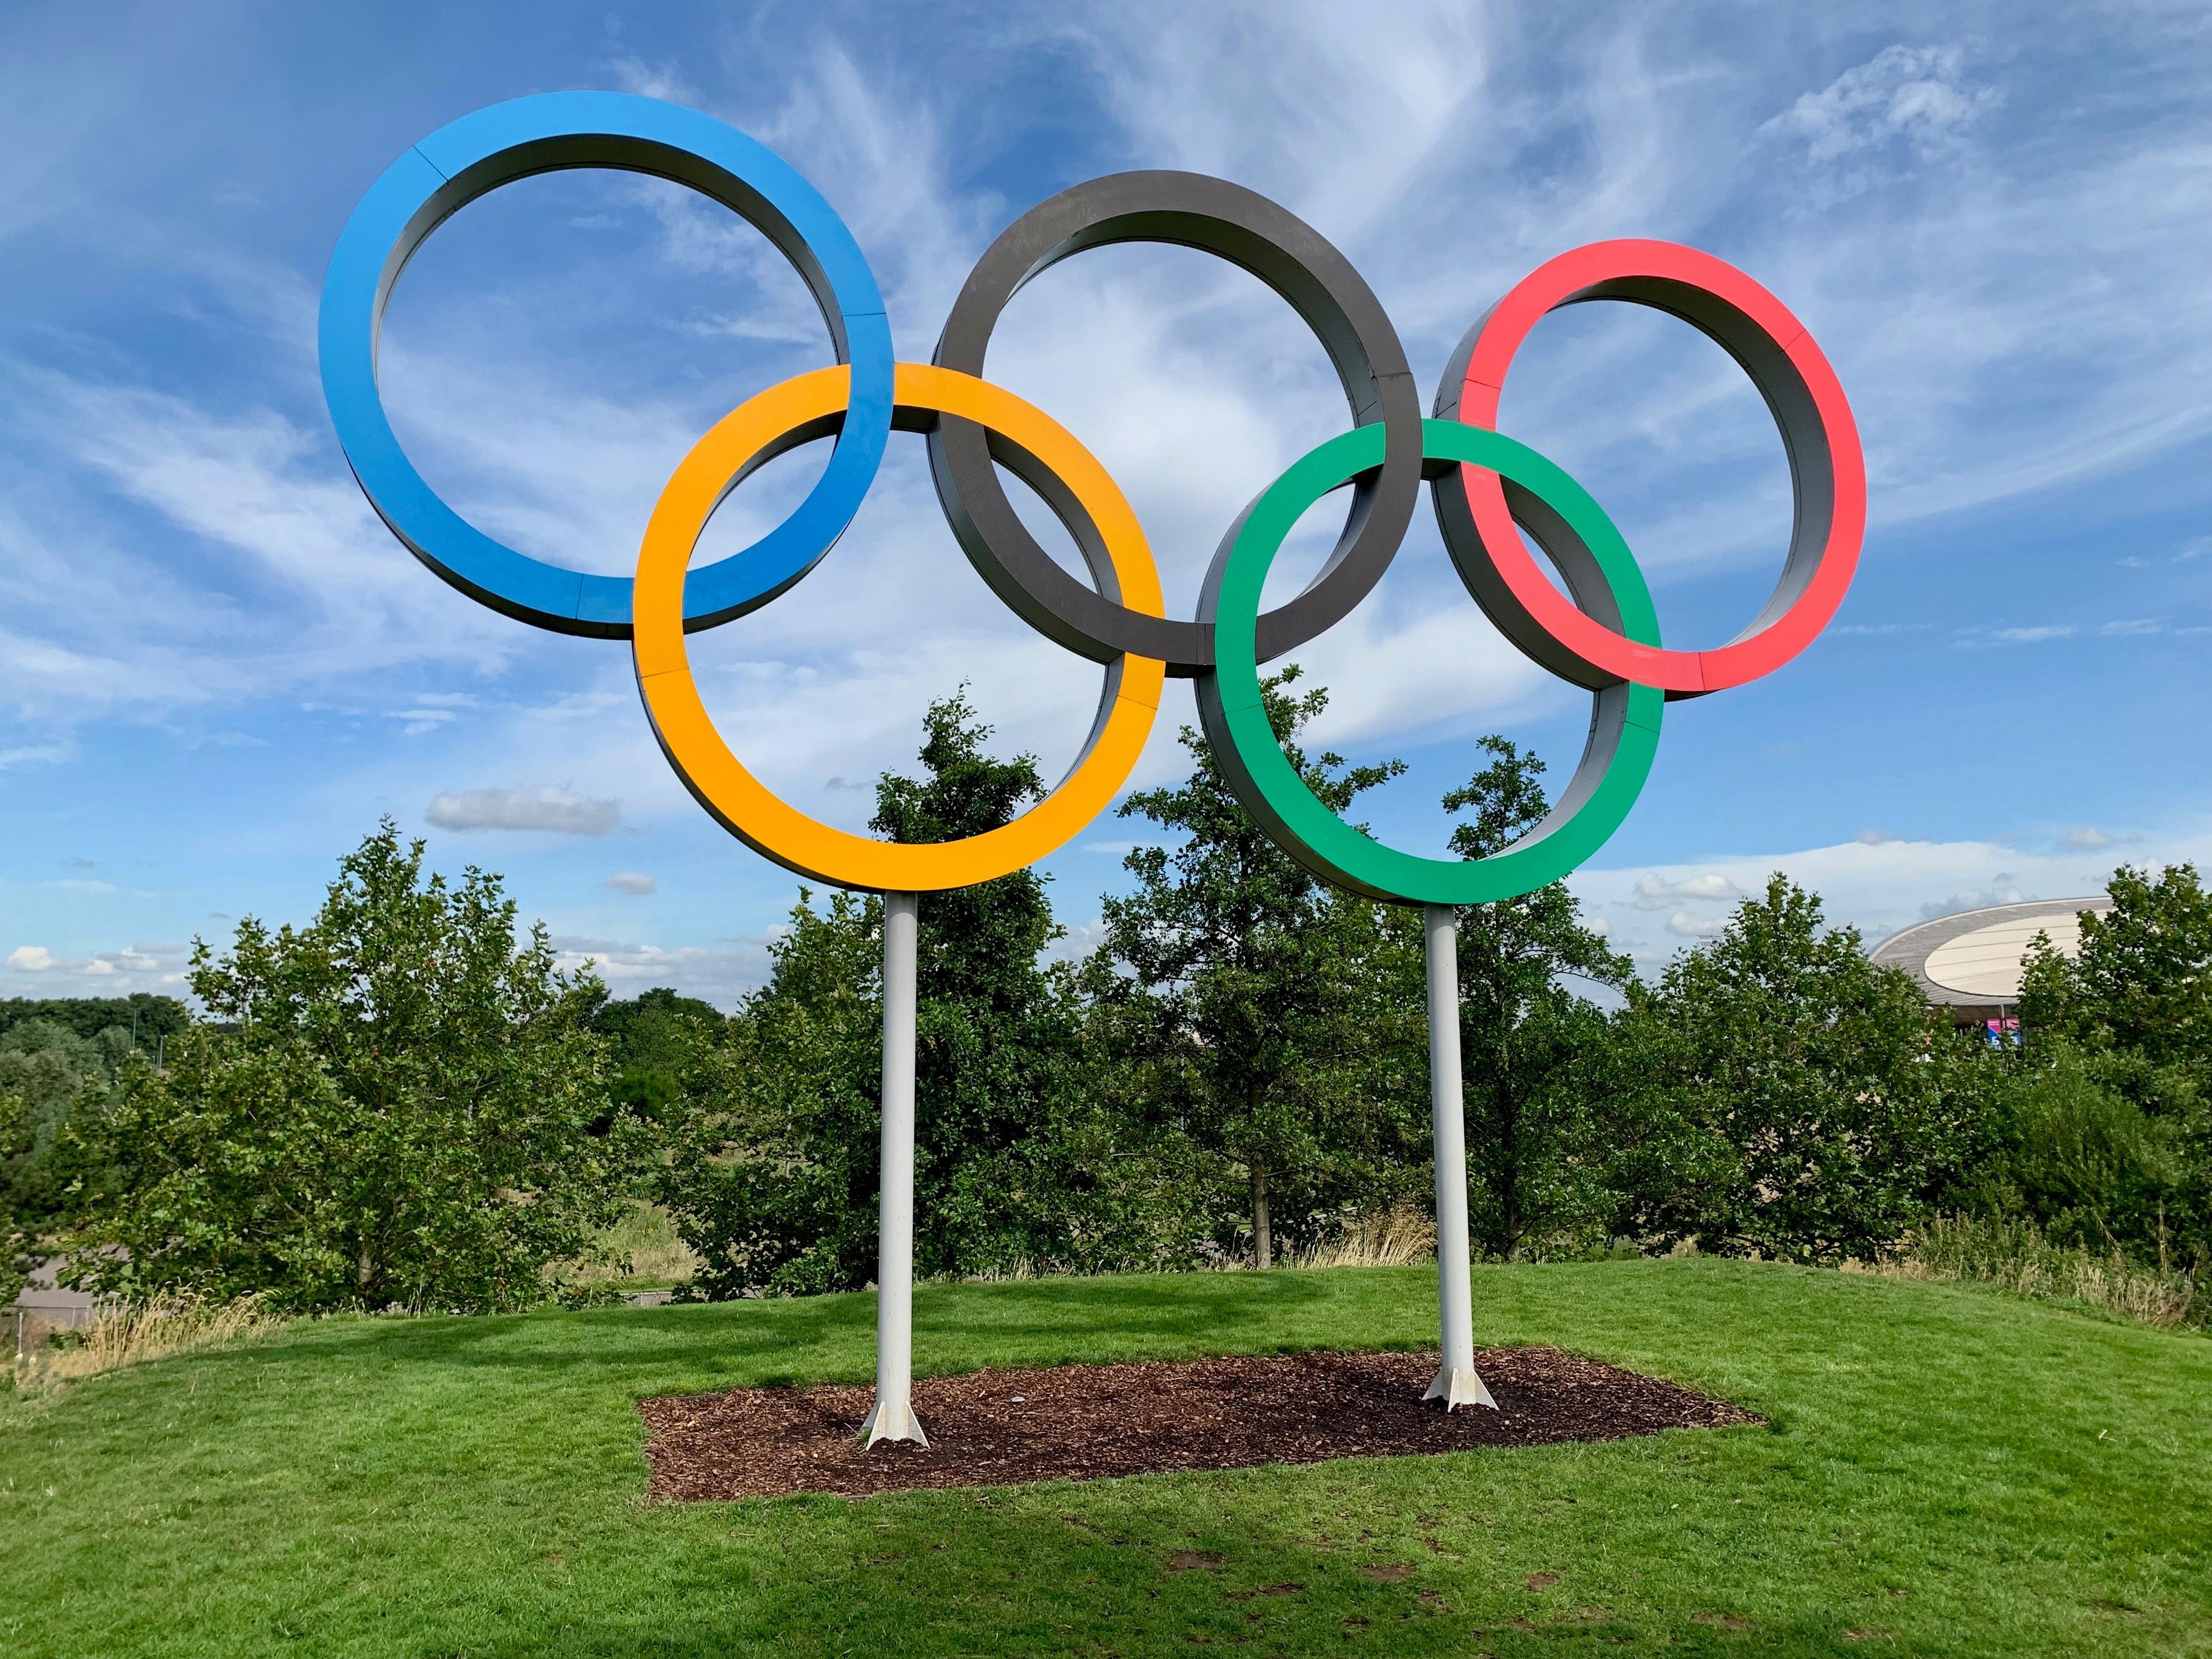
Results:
389 1106
1781 1095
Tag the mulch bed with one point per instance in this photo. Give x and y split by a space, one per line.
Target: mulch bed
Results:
1084 1422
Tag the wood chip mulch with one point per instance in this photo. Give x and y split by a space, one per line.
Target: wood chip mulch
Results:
1084 1422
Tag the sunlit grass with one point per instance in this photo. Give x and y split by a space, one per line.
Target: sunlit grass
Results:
1944 1471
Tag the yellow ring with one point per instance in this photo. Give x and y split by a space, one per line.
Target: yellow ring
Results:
742 439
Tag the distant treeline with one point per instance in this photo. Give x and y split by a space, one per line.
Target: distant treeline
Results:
142 1015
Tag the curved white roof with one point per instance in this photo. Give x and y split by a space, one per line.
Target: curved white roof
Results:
1975 957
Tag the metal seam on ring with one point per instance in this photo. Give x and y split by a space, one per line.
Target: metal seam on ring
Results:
1827 479
1246 229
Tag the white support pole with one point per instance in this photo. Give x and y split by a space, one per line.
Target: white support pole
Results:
893 1417
1457 1384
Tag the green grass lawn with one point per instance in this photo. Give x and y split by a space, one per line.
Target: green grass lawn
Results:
1947 1471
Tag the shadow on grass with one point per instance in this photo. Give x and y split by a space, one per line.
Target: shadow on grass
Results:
958 1327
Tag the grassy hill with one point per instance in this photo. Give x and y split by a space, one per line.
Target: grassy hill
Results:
1947 1471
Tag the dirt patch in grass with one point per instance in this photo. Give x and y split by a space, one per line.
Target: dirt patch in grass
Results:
1084 1422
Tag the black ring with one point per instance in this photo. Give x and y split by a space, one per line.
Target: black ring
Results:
1188 209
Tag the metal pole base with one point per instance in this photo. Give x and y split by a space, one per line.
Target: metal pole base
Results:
1459 1388
894 1420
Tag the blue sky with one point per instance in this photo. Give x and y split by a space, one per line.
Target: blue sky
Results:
218 670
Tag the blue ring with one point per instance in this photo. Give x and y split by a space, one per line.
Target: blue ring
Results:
477 154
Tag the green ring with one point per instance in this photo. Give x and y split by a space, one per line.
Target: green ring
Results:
1624 731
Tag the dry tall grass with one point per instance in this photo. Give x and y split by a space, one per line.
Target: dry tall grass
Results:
137 1332
1396 1237
648 1255
2015 1256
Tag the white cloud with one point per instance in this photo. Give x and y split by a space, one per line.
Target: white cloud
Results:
1385 136
1912 98
633 883
2084 838
1656 893
140 967
557 812
2019 315
1079 941
1683 925
721 972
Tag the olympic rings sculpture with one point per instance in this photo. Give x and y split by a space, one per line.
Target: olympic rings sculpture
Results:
1601 633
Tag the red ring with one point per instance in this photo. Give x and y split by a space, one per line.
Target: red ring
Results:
1808 405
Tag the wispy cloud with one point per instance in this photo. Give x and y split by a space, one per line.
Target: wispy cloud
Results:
1905 104
1654 892
545 809
2001 248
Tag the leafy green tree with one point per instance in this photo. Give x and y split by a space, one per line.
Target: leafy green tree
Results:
390 1105
53 1073
49 1073
1785 1095
2112 1121
18 1239
775 1183
1535 1054
659 1043
2143 982
770 1177
2081 1159
1249 989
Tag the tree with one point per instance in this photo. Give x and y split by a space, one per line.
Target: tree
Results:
771 1173
658 1044
390 1105
1247 982
1785 1095
775 1184
2143 982
1533 1051
18 1241
49 1073
2112 1126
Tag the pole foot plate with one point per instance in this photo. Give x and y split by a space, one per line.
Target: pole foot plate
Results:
895 1420
1459 1388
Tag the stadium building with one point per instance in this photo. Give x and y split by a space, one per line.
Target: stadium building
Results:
1973 962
